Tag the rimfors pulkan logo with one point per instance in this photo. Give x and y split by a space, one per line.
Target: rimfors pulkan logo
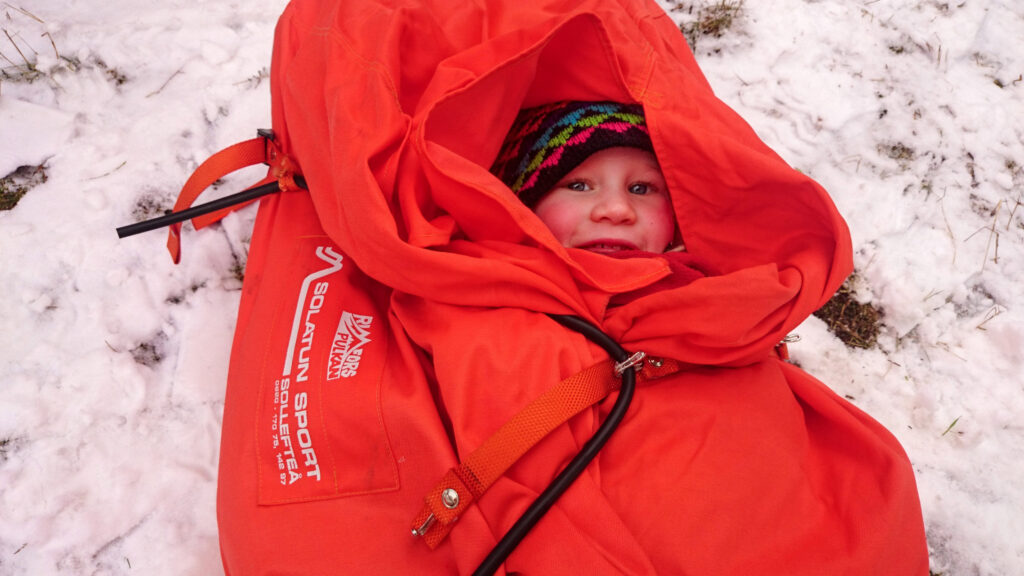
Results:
352 335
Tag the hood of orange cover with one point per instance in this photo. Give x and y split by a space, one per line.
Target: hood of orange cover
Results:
395 129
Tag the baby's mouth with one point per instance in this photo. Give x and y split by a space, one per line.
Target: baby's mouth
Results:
606 246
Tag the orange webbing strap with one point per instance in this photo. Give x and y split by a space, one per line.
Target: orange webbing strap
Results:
462 485
260 150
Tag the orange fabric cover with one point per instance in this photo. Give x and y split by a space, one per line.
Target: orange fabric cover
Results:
737 464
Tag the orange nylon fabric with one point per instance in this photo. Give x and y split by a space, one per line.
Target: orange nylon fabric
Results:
395 318
486 464
224 162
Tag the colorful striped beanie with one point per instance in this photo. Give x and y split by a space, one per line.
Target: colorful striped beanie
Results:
547 142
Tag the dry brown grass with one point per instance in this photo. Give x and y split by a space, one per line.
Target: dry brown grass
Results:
857 324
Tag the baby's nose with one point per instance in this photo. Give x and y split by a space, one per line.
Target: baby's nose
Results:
615 206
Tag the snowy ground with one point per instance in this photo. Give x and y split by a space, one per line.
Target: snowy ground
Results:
112 360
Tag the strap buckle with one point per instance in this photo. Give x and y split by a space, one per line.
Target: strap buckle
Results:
425 527
636 360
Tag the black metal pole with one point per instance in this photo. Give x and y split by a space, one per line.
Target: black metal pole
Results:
200 209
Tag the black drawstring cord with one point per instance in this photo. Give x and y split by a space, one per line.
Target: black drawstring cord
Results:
590 450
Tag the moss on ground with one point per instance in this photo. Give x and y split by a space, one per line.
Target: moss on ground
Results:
15 185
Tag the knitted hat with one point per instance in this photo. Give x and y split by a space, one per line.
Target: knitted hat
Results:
547 142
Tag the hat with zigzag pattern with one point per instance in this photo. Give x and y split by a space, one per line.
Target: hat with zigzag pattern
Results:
547 142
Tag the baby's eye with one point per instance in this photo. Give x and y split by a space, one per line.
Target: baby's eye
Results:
577 186
640 188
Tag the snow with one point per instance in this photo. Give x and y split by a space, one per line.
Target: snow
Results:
113 360
41 130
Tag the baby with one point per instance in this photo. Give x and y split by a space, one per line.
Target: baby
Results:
588 170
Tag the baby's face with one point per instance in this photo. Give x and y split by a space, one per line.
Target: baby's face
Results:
615 200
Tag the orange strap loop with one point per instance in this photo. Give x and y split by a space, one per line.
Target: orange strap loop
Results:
464 484
259 150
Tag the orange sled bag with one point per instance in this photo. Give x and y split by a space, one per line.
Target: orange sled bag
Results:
394 351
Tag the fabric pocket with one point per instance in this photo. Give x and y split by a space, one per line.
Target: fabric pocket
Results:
320 432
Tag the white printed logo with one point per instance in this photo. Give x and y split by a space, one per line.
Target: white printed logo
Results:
305 321
296 455
346 351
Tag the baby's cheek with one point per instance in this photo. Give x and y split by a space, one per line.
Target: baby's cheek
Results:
664 226
559 216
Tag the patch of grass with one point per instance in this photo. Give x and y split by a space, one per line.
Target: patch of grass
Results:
15 185
147 353
982 207
970 170
8 446
898 151
855 323
29 71
256 79
113 74
21 65
148 207
712 20
26 39
237 270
